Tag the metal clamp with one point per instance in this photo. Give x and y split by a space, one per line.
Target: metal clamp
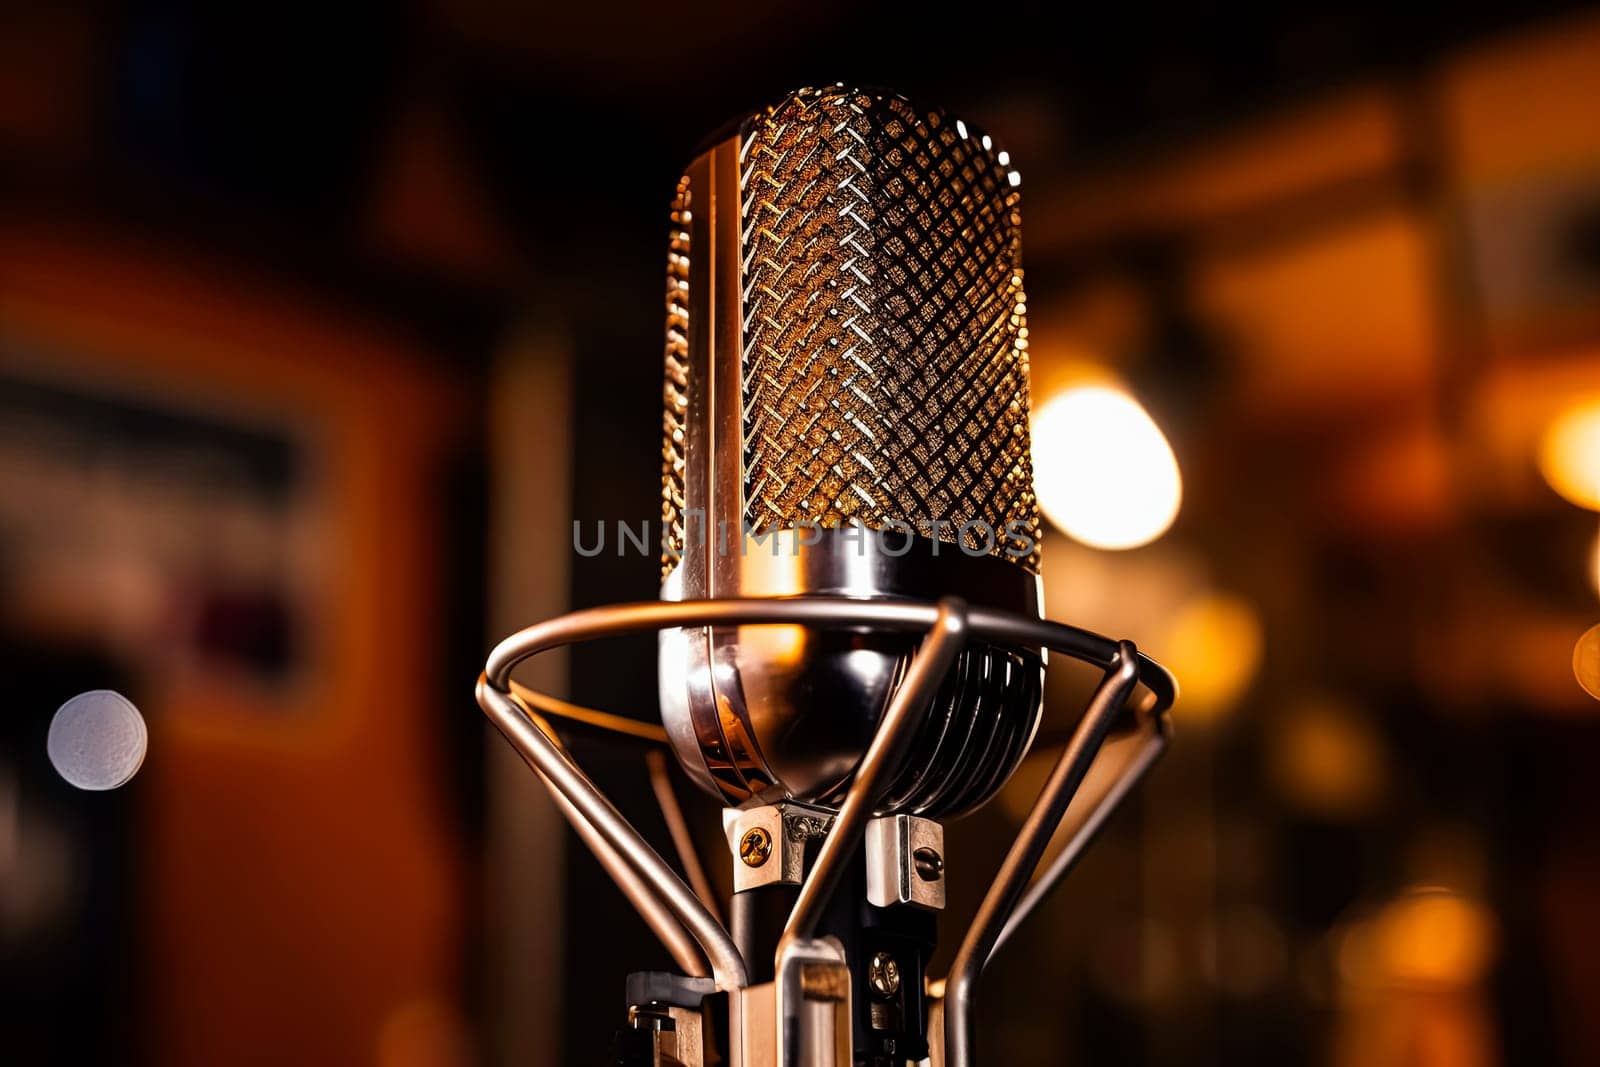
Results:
768 843
905 862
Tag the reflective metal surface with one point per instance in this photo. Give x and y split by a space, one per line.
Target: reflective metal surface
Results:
782 711
768 842
813 1005
886 754
905 862
846 331
885 366
668 930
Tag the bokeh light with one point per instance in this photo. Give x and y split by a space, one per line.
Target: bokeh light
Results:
1327 761
1569 454
1103 471
97 740
1427 936
1213 645
1586 661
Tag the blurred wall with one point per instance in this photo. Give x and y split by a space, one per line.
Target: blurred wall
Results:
300 882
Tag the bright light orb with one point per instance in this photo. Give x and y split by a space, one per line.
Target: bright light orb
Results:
1569 454
1103 471
97 740
1213 645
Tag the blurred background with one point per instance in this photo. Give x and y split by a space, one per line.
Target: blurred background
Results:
319 329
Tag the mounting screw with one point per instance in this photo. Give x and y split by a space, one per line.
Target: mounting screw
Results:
755 847
883 975
928 863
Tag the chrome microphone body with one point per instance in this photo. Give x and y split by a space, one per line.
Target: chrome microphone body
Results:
846 413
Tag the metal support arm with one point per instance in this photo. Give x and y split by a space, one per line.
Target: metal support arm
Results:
960 989
539 747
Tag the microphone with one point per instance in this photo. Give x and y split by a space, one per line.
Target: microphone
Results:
851 647
846 414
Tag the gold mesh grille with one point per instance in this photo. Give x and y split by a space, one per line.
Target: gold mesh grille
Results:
885 345
675 384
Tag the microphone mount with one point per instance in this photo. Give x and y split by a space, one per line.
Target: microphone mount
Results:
723 1009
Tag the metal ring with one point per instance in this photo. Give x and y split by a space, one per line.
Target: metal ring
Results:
983 624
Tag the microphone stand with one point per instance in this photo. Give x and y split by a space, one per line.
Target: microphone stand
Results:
826 986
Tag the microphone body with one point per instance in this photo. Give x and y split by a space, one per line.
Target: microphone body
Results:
846 414
851 648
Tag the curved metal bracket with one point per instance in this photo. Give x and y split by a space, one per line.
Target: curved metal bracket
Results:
1082 827
659 888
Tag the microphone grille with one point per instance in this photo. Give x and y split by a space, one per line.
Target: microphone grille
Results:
675 387
885 367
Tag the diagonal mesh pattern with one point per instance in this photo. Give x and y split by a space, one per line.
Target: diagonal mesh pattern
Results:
675 383
885 344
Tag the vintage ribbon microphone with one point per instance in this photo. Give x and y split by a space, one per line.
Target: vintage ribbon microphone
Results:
850 641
